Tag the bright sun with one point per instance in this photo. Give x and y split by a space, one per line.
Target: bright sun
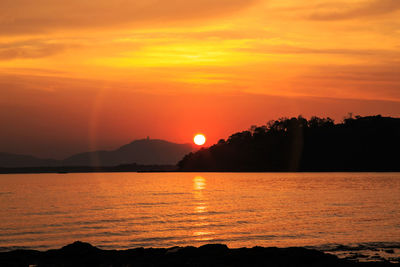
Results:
199 139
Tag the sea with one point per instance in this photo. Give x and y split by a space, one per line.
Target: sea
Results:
352 215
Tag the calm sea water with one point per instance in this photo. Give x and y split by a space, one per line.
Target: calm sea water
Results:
126 210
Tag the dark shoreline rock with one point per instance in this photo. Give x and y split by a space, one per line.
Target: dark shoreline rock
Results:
84 254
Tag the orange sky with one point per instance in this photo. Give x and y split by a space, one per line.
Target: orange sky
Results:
84 74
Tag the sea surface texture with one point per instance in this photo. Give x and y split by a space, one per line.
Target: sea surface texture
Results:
126 210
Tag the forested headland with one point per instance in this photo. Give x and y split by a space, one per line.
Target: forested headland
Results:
296 144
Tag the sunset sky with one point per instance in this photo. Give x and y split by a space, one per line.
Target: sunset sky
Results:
78 75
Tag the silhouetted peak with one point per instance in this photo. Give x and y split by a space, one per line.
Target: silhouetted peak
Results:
214 248
142 151
79 247
148 143
148 140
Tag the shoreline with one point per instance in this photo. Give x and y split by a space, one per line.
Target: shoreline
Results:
84 254
63 170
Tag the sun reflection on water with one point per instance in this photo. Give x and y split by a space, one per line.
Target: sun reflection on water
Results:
199 184
201 207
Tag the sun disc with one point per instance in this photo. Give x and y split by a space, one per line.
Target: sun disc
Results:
199 139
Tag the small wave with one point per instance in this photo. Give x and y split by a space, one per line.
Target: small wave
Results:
44 213
191 214
209 226
7 234
168 193
102 221
155 204
106 234
160 239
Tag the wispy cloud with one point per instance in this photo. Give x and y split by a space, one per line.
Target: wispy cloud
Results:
26 16
290 49
376 81
32 49
350 11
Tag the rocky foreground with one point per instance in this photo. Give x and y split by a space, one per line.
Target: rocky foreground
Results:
84 254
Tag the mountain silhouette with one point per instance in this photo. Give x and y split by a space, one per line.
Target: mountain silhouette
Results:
144 151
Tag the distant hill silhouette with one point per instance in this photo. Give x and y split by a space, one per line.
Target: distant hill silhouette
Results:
15 161
144 152
296 144
86 169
